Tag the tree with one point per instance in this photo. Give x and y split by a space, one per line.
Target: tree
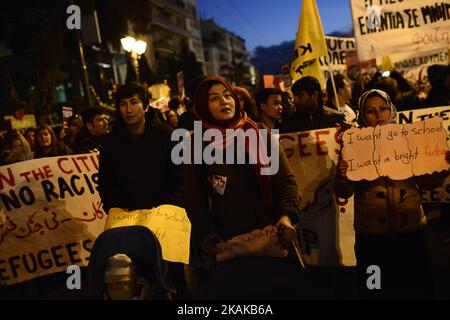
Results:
37 37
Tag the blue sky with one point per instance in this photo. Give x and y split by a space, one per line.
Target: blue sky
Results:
270 22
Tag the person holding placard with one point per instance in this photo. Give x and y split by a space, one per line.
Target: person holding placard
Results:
389 219
136 171
236 211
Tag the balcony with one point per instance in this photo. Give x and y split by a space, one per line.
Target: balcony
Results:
165 23
176 6
163 46
240 50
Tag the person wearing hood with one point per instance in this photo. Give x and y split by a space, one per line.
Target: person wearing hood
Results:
389 218
228 202
310 112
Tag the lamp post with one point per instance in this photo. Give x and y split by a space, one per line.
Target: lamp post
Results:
135 48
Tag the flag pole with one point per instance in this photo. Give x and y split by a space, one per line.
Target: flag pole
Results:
334 88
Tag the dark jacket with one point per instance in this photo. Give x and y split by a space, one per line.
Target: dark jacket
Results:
301 121
87 143
385 206
140 174
59 149
225 199
187 120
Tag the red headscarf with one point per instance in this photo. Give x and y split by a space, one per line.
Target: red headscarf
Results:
239 121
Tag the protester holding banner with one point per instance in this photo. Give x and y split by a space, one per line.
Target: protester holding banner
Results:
389 218
48 145
136 171
310 112
18 149
228 203
30 135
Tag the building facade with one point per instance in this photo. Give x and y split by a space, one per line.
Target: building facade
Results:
225 54
175 27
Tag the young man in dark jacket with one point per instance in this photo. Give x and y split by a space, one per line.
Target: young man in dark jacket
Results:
95 128
136 171
310 112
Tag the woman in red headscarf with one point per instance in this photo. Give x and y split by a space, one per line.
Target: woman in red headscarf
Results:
235 210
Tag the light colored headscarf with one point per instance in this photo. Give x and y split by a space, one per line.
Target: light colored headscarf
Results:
371 93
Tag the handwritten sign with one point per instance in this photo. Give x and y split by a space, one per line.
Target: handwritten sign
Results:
442 193
385 27
256 243
50 215
169 223
398 151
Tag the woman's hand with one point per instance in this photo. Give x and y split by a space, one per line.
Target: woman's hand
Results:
286 230
212 244
342 168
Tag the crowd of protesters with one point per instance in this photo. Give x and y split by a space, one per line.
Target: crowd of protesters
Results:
138 151
83 134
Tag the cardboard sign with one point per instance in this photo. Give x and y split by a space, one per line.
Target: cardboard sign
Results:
398 151
169 223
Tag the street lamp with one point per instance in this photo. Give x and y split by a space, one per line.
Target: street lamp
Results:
135 48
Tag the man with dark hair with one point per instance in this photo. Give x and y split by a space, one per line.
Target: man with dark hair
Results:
310 112
270 107
136 170
344 95
95 127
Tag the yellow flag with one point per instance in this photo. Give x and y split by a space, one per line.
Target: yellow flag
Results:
386 64
309 45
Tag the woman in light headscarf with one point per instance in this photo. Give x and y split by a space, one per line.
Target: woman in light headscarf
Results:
389 218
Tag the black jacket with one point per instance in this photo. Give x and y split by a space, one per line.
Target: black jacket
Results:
225 199
87 143
300 121
139 175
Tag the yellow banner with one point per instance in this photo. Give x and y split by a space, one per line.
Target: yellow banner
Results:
169 223
310 43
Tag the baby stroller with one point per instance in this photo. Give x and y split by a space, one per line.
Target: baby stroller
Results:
137 256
